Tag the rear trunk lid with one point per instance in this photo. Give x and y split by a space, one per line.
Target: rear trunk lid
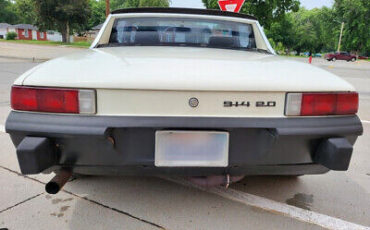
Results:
160 81
182 68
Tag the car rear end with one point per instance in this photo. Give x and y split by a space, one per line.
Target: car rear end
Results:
219 103
194 133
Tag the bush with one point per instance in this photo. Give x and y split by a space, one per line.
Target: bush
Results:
279 47
11 35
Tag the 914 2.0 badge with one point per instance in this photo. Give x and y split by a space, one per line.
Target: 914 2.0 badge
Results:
249 104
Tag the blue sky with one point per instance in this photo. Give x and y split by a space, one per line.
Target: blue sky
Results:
309 4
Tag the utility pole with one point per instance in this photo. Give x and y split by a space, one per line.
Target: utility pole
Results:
107 8
340 37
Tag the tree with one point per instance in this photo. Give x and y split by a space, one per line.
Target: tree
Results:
117 4
284 32
328 28
64 15
154 3
267 11
98 8
7 12
25 9
306 36
97 13
356 16
279 47
306 30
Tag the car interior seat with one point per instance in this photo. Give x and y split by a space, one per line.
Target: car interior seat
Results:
221 42
147 36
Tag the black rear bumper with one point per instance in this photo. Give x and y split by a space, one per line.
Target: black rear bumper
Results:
125 145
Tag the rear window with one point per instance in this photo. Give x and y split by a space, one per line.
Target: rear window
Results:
159 31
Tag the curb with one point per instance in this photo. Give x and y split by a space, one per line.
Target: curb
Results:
33 59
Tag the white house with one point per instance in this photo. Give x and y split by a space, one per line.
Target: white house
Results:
55 36
30 32
4 29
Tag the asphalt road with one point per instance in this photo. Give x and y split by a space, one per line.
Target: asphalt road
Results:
152 203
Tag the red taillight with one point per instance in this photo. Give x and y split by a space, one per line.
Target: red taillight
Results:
319 104
50 100
347 103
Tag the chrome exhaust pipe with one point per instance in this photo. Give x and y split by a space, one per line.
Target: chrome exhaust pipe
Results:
58 181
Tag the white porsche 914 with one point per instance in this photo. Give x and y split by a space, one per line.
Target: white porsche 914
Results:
188 92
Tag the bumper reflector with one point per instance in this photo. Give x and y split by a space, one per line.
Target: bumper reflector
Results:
53 100
321 104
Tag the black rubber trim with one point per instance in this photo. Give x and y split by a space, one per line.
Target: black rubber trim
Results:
294 169
26 122
183 11
35 154
334 154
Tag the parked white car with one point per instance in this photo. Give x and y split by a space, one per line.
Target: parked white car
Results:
189 92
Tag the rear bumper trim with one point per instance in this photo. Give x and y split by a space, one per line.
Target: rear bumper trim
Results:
91 143
52 124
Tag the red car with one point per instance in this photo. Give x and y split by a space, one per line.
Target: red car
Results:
340 56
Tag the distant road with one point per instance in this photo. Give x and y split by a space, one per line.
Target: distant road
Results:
38 52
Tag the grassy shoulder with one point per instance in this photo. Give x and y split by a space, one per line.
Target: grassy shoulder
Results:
49 43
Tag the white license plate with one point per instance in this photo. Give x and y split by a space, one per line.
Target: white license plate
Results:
191 149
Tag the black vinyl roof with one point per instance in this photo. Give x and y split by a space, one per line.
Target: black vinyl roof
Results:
175 10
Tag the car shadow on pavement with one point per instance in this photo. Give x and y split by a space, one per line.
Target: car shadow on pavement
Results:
158 202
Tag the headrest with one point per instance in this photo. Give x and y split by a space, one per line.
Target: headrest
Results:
147 38
222 42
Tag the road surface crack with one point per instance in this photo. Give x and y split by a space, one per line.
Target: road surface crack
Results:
22 202
117 210
84 198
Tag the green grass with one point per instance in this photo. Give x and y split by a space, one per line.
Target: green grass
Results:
50 43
